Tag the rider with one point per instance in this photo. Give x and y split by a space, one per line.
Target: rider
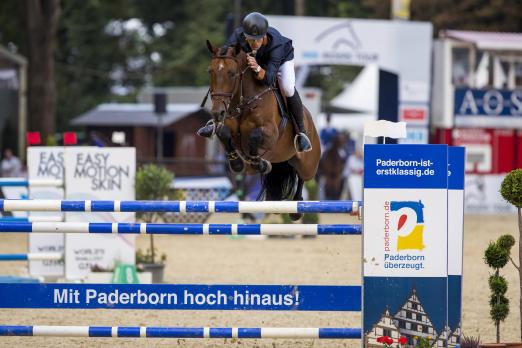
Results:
272 55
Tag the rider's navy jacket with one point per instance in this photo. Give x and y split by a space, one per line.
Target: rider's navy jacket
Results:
271 56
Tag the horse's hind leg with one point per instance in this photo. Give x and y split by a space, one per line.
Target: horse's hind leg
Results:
255 140
235 162
298 196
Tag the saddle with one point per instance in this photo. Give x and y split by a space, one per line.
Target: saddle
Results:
283 108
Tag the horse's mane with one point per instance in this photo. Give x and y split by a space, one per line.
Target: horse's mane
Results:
228 51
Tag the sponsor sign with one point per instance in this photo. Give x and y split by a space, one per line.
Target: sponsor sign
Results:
405 239
46 163
183 296
414 114
399 47
93 173
491 107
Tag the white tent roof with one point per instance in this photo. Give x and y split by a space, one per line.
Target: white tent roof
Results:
487 40
362 94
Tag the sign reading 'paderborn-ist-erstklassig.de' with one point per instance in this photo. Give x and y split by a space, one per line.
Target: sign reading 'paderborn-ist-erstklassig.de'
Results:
405 241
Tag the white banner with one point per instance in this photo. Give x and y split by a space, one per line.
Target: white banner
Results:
402 47
93 173
483 195
46 163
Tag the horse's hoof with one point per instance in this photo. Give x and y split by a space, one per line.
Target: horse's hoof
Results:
237 165
235 162
266 167
295 216
262 166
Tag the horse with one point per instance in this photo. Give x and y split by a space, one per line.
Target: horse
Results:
254 134
331 168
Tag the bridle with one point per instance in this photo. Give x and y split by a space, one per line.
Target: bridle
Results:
244 102
223 96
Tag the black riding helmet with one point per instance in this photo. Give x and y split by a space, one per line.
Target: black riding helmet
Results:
255 25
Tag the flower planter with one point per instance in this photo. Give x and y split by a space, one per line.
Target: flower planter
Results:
514 344
157 270
492 345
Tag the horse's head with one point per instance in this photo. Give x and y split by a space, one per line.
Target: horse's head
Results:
225 78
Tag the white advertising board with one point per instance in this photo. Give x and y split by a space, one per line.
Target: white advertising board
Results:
402 47
93 173
46 163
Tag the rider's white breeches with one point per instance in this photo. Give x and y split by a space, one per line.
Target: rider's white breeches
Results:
286 77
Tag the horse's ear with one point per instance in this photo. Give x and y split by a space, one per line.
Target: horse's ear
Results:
211 48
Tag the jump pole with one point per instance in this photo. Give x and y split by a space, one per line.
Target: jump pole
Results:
182 207
179 229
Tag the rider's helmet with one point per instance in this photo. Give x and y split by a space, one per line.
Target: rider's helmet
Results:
255 26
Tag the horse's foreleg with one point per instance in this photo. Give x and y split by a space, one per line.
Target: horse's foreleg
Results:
235 162
255 140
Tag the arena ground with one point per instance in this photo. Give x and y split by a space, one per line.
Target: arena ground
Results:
225 260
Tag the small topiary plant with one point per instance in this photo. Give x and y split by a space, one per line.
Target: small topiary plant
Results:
152 183
511 191
496 256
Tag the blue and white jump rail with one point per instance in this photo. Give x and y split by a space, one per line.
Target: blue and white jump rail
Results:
342 207
31 257
180 332
182 296
37 218
20 182
179 229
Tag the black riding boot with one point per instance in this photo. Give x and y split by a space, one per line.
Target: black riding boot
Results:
295 106
207 130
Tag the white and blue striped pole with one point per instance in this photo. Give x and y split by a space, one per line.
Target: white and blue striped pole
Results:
34 218
20 182
180 229
31 257
180 332
183 206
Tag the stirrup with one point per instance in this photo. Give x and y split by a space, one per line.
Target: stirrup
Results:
296 140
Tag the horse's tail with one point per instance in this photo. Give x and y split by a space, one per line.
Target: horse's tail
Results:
279 184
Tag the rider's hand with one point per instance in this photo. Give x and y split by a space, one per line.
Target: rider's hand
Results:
252 63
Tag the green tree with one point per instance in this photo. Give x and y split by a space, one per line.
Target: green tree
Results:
482 15
95 52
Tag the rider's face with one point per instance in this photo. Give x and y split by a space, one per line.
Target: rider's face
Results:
255 44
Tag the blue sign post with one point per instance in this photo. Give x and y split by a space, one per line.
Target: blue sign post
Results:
405 243
456 158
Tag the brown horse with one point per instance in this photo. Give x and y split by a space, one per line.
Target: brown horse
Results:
255 136
331 168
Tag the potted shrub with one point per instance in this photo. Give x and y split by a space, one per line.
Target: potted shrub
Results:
496 256
152 183
470 342
511 191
